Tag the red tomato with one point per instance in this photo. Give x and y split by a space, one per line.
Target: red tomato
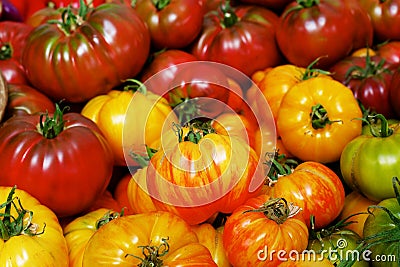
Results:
89 56
13 36
173 23
24 99
242 37
166 62
390 51
385 17
329 29
394 94
62 160
276 5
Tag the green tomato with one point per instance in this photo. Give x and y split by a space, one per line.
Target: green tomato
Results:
369 161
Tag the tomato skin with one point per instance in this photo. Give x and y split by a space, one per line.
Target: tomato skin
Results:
250 39
21 250
115 242
65 173
246 234
13 36
316 32
295 123
385 17
366 158
173 25
94 49
275 5
378 222
394 93
313 187
26 100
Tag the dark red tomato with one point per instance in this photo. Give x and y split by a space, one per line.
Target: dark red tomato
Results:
13 37
276 5
24 99
370 80
9 12
330 29
164 65
385 17
62 160
242 37
28 7
87 56
394 94
172 24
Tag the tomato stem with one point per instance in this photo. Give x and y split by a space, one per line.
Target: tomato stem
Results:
152 254
143 161
160 4
137 86
12 226
51 127
197 130
300 5
279 166
277 209
319 117
385 130
229 16
108 217
312 72
6 51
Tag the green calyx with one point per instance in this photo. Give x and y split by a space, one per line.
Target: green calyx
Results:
384 131
229 16
319 117
13 226
108 217
197 130
279 165
301 4
6 51
312 72
152 254
51 127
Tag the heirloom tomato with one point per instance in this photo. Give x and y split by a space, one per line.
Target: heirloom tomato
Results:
120 193
147 239
385 18
24 99
238 35
87 53
129 119
61 159
355 203
369 162
163 64
31 234
312 186
202 173
211 238
382 230
394 93
305 260
316 29
78 232
316 119
13 37
261 227
172 24
370 79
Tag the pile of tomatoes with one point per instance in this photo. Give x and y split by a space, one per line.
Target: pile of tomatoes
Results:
200 133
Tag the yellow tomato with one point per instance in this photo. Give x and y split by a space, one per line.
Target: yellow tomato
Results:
129 120
317 118
37 240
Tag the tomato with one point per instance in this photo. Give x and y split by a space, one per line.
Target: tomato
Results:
275 5
335 243
116 114
211 238
13 37
261 227
172 24
85 57
78 232
313 187
390 51
313 29
61 159
157 238
316 119
355 203
385 17
237 36
31 228
164 65
394 93
370 80
366 158
24 99
382 231
120 194
208 157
